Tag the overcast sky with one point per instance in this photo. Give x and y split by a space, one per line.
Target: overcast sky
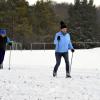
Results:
96 2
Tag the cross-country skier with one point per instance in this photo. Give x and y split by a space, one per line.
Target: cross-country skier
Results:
63 44
3 40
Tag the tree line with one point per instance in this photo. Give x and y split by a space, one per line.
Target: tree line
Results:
39 22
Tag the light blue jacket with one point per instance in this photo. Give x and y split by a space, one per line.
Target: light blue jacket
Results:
64 44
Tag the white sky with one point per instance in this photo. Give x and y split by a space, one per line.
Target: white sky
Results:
96 2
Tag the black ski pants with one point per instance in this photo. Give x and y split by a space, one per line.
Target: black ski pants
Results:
2 54
58 60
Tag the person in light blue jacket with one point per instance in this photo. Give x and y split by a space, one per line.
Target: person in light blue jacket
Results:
63 43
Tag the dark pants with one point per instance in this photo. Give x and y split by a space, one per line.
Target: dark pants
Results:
58 60
2 54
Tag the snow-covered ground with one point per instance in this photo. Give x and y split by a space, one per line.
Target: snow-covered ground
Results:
30 77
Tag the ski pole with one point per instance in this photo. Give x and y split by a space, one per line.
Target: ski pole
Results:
10 58
71 62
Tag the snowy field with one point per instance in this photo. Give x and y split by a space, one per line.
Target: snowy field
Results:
30 77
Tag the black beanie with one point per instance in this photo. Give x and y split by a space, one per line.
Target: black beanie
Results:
63 25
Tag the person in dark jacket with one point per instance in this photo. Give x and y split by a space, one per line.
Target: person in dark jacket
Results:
63 43
3 40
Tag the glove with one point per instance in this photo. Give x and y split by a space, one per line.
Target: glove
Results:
10 43
58 38
72 50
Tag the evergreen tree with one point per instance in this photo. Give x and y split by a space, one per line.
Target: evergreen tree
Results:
44 23
3 15
91 2
19 25
38 23
83 20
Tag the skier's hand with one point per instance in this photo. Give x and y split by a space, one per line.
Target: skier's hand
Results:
10 43
72 50
58 38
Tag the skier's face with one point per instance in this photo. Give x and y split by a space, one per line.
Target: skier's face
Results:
64 30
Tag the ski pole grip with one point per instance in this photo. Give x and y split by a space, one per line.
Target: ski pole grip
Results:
58 38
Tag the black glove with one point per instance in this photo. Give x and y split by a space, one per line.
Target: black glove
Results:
72 50
10 44
58 38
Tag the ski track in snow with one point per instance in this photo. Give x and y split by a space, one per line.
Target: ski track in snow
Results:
36 82
28 85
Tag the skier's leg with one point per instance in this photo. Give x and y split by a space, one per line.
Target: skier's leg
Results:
2 54
58 60
65 55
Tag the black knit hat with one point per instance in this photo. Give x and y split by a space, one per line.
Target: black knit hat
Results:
63 25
